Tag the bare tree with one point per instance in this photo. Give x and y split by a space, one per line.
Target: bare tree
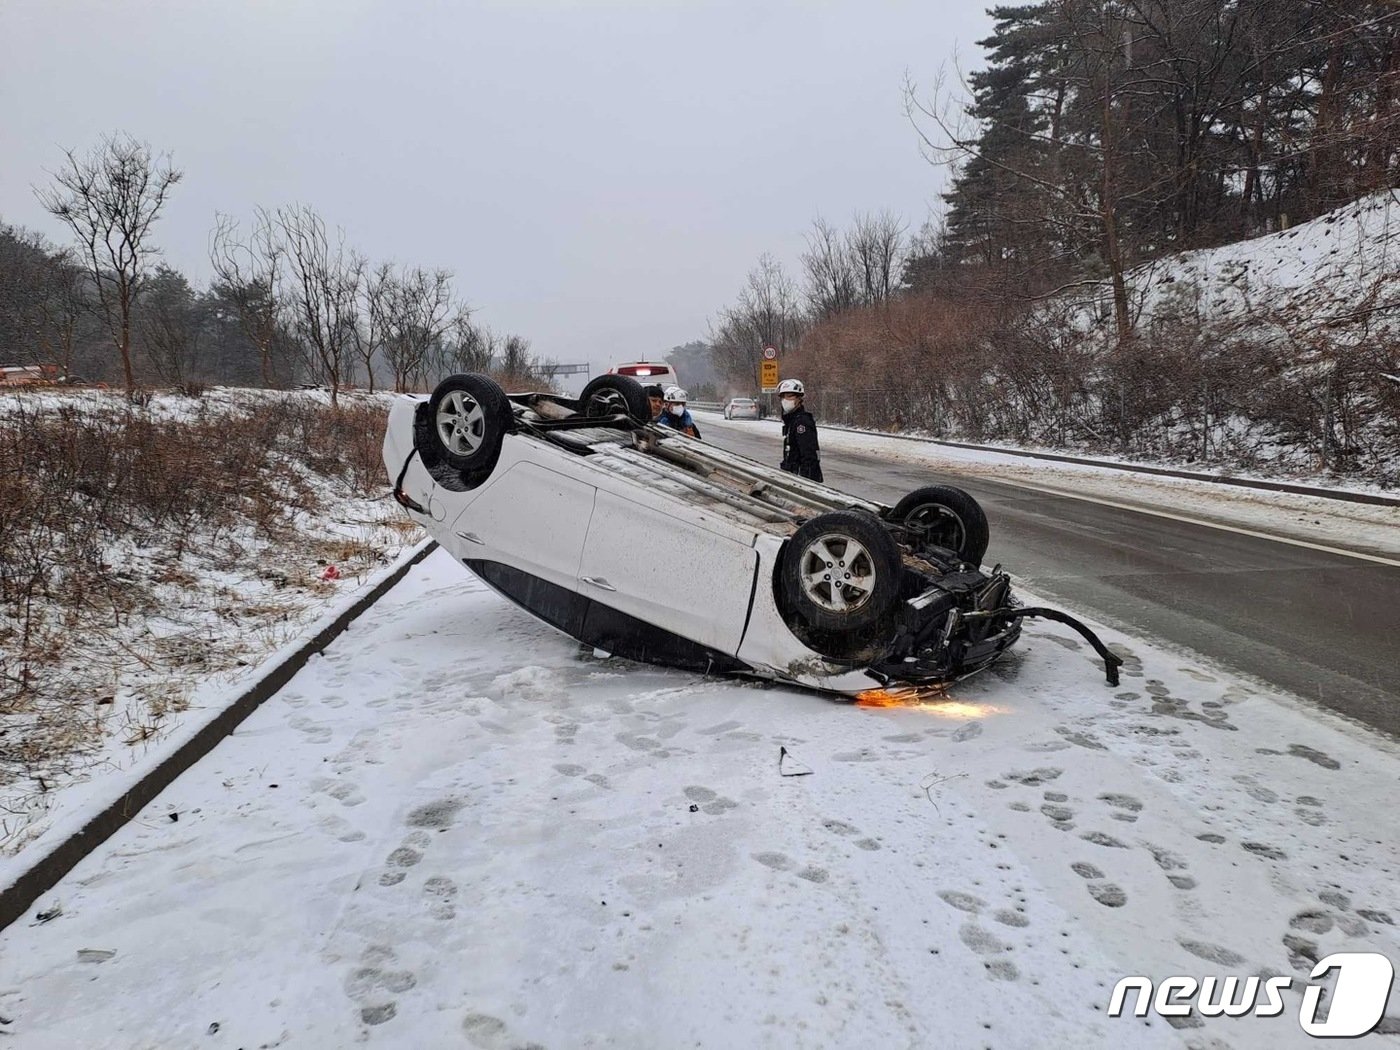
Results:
767 313
251 272
875 250
321 292
830 279
417 312
369 339
515 366
110 199
465 347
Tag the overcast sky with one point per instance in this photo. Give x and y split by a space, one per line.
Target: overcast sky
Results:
600 175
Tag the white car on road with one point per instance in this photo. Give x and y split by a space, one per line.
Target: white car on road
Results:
743 408
655 546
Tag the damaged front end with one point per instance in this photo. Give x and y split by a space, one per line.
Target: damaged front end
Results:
961 622
952 621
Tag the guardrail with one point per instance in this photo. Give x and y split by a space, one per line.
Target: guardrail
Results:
1262 484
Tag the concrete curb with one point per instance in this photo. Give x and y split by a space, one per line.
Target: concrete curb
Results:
20 895
1345 495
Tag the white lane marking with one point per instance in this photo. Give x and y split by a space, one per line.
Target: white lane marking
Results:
1196 521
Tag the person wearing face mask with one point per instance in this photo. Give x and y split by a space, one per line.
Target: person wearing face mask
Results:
676 415
801 454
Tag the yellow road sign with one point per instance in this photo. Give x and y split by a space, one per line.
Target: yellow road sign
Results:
768 376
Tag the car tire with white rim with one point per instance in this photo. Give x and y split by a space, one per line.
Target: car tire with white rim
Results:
947 517
841 571
469 416
610 395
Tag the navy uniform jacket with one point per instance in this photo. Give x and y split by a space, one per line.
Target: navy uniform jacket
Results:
683 422
801 454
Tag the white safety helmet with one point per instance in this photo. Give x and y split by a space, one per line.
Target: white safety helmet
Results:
675 395
791 386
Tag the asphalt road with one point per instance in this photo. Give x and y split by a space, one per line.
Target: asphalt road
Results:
1322 626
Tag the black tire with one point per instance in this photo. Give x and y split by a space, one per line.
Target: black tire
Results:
831 605
468 417
613 395
946 517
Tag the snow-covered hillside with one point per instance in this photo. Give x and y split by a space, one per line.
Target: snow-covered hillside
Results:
1339 272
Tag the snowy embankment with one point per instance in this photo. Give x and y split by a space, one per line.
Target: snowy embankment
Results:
456 828
195 612
1339 272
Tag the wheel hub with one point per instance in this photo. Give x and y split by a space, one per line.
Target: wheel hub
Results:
837 573
461 423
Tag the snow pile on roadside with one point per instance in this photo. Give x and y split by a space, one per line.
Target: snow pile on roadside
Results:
457 844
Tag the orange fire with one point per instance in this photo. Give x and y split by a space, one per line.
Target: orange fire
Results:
933 699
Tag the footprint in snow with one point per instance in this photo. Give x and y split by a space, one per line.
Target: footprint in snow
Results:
1318 758
1126 807
487 1032
440 892
1033 777
968 732
1212 953
371 985
980 939
840 827
1011 917
1098 838
1109 894
343 791
1173 865
437 815
1085 740
962 901
1311 921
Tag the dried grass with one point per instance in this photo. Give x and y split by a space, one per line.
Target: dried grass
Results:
119 530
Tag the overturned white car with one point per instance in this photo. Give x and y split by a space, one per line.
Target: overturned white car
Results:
651 545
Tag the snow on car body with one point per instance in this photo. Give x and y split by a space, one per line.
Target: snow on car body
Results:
649 544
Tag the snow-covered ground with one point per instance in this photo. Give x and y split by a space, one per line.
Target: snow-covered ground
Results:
123 687
1308 519
1328 272
457 829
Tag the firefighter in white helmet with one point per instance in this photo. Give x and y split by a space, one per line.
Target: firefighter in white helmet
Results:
675 415
801 453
